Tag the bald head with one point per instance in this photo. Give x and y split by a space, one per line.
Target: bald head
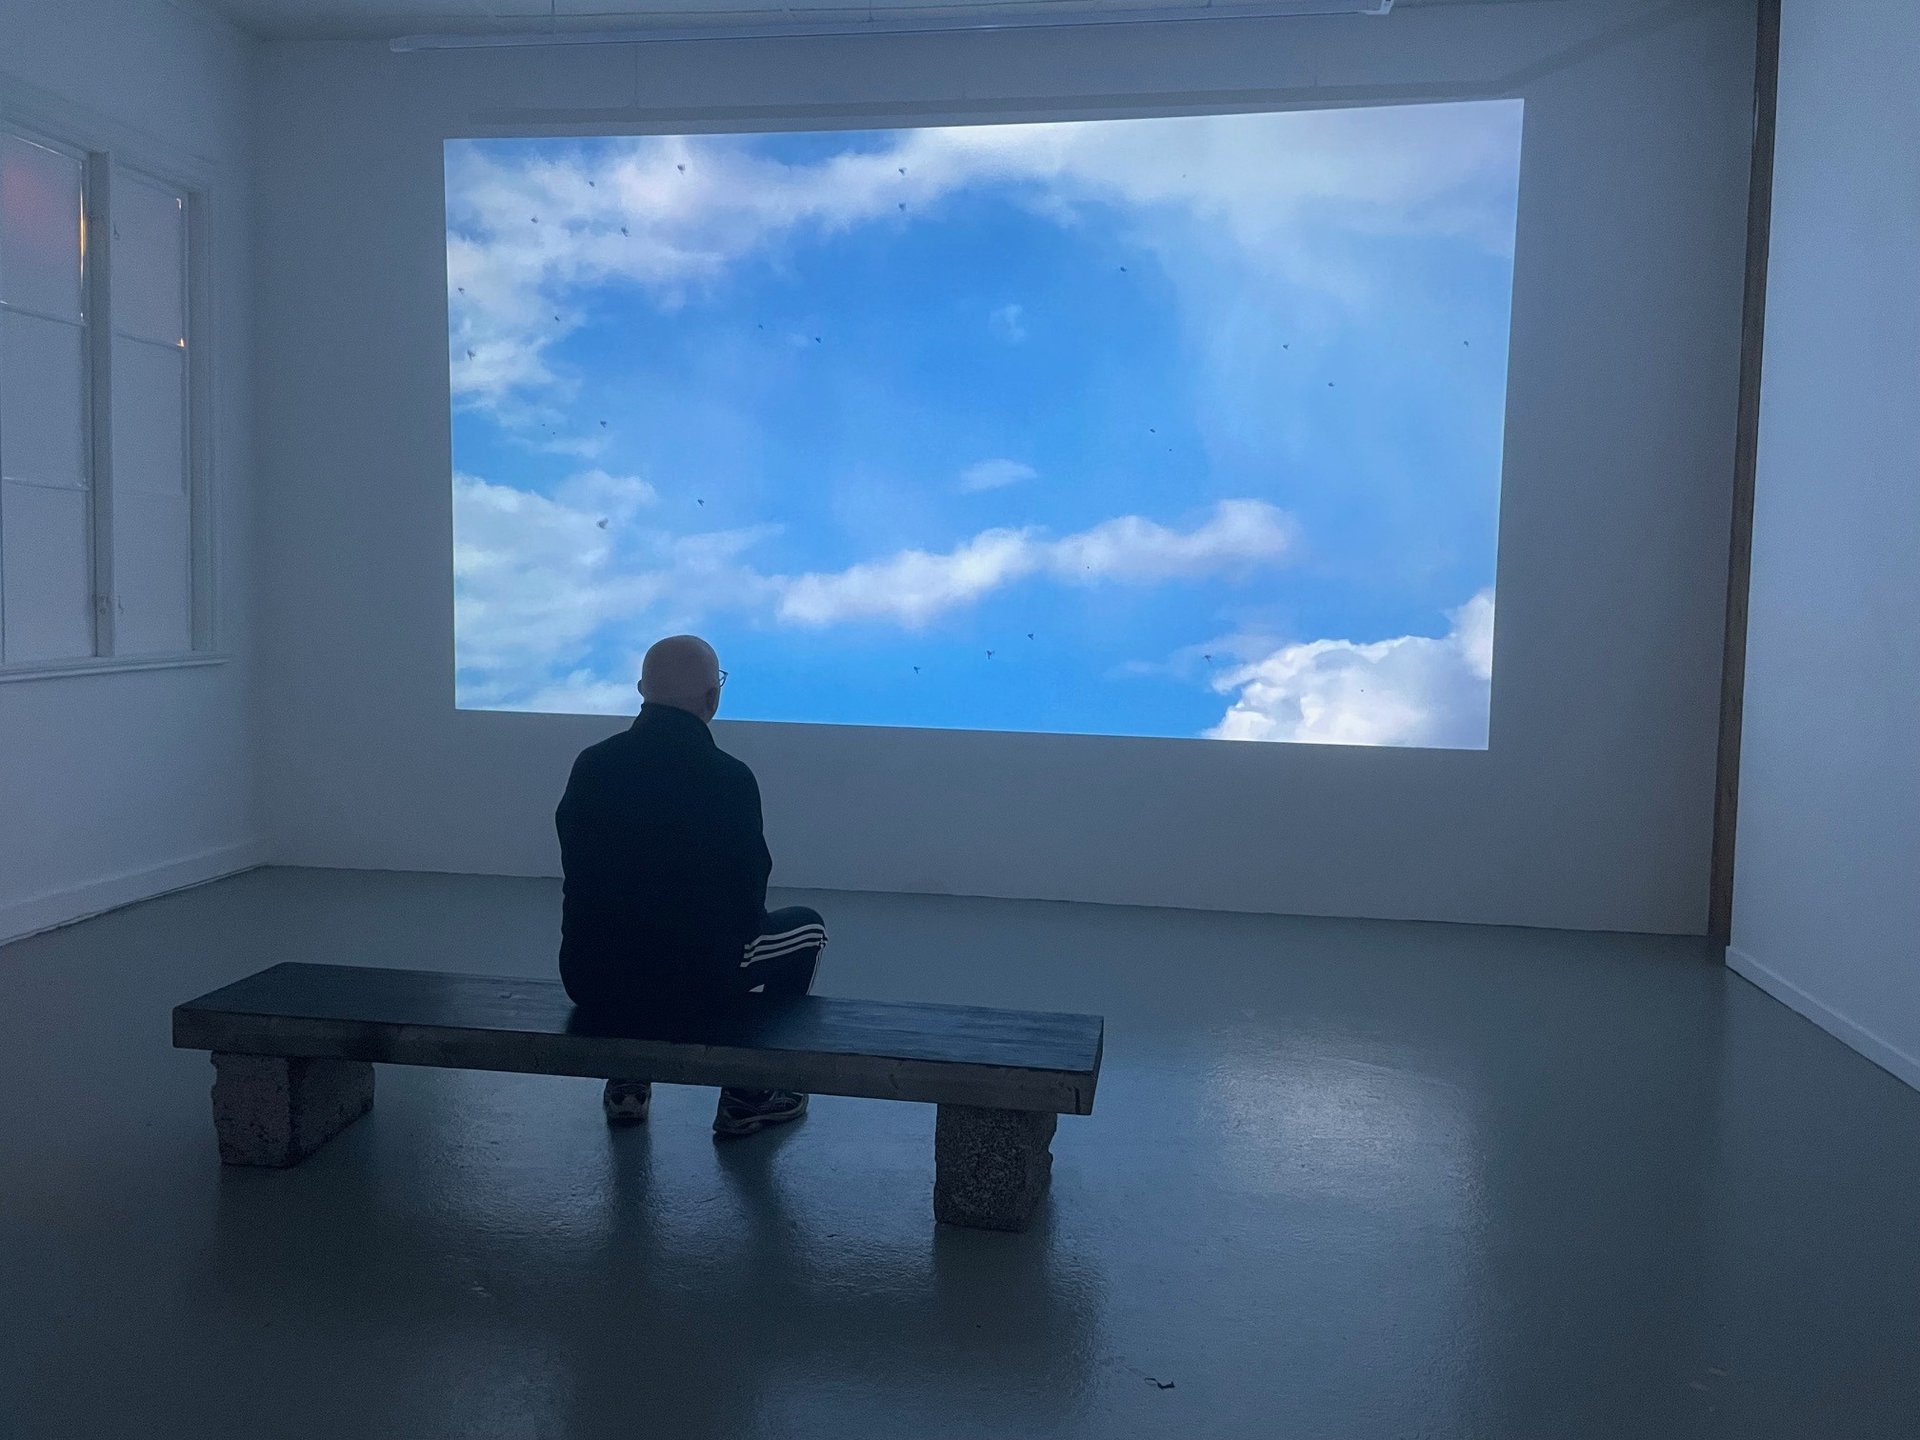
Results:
682 671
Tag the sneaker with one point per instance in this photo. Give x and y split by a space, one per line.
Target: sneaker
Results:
742 1112
626 1101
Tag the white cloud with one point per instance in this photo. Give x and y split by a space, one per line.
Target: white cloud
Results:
673 214
538 580
542 581
1009 323
994 474
581 447
1411 690
915 586
617 496
1240 535
583 693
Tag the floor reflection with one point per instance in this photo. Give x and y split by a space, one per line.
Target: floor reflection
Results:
654 1280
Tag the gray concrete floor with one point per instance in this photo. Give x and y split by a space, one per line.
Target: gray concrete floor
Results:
1344 1179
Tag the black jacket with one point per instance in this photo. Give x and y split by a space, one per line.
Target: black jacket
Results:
666 865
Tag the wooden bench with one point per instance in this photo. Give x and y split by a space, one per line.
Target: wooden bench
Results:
294 1048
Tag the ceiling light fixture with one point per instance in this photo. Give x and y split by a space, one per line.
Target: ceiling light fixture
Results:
797 27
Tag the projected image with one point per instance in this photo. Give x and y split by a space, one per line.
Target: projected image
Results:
1175 427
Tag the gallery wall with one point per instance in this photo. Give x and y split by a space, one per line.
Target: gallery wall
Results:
1591 808
118 785
1826 898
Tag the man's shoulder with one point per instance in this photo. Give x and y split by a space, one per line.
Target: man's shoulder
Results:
735 768
602 751
630 748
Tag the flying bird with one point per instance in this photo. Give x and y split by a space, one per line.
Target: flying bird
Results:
470 352
903 169
989 654
601 522
536 219
700 503
916 669
623 229
603 424
683 169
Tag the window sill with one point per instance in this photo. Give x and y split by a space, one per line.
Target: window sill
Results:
111 665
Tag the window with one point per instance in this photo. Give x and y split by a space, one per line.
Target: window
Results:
102 548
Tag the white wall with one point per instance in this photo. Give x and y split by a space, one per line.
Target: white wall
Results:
116 786
1591 809
1827 887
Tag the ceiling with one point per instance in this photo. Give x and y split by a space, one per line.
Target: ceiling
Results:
385 19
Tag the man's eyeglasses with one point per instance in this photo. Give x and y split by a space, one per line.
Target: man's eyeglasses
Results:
723 681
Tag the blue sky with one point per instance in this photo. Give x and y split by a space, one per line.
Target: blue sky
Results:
1193 423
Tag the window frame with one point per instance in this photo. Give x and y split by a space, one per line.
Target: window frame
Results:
105 149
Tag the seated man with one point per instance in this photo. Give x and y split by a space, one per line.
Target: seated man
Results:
666 870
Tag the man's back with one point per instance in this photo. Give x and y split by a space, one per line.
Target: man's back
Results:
666 865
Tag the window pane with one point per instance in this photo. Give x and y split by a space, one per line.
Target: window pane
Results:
153 612
46 569
149 417
43 422
152 507
40 203
149 259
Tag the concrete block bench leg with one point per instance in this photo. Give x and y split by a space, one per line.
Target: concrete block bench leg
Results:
990 1167
274 1110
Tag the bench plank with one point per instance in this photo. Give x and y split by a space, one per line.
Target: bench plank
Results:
943 1054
